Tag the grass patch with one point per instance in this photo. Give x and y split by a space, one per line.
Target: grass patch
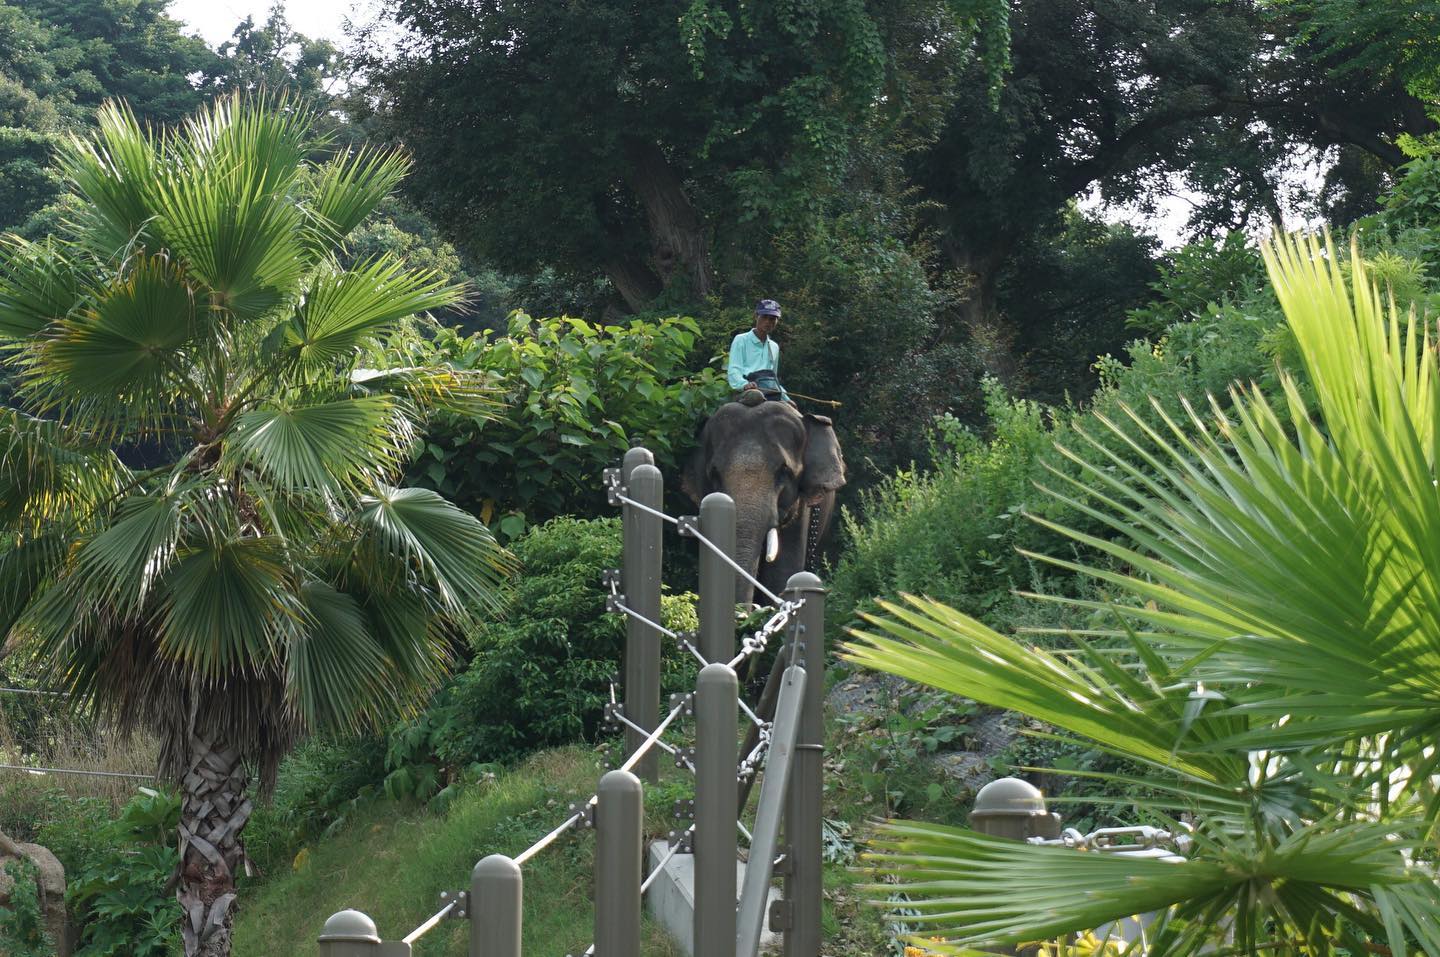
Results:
392 862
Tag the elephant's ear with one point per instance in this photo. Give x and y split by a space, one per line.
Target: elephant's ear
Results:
824 465
692 475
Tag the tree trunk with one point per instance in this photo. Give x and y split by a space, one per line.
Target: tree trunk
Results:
212 815
634 281
993 336
678 241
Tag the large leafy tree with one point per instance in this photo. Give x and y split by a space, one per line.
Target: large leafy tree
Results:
60 60
200 532
1269 662
1135 100
661 146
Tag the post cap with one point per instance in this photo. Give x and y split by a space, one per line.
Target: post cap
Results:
349 926
804 582
1009 797
496 867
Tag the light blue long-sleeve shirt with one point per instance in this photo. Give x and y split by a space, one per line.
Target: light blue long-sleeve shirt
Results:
748 354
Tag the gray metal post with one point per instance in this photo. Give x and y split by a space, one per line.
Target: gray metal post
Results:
717 579
804 814
765 839
619 823
349 934
717 695
642 542
1015 810
496 907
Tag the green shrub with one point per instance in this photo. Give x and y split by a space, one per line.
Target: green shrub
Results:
576 396
540 676
117 871
1197 277
320 785
950 531
22 924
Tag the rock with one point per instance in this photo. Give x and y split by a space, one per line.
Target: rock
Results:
990 734
50 879
866 693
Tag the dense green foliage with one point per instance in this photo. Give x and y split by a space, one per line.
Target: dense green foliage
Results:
22 923
1272 578
118 888
117 865
541 673
576 395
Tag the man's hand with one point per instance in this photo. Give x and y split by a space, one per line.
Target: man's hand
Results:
749 385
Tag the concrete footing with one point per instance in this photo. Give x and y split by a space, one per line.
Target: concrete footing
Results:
671 899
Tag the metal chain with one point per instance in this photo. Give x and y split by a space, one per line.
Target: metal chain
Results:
1109 840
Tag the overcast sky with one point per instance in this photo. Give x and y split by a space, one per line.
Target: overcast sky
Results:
215 20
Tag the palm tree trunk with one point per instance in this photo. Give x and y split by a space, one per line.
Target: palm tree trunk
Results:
213 814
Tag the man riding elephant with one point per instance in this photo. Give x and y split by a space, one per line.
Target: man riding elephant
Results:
755 356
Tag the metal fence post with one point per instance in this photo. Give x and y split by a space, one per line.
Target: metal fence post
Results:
717 695
619 823
1015 810
496 907
804 813
642 555
349 933
717 579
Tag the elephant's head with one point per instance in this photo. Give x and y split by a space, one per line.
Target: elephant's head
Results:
777 465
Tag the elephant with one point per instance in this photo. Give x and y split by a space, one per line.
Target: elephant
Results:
783 469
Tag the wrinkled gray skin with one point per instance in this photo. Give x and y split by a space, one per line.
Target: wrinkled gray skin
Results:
777 465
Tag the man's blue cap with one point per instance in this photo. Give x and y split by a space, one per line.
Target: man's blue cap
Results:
767 307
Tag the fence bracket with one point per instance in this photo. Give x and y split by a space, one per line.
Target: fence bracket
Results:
586 812
461 910
688 525
781 916
684 809
615 603
682 842
684 755
684 700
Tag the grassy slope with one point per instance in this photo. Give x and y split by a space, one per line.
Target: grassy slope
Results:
393 863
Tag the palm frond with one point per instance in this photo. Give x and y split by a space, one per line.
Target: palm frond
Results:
39 286
112 171
223 204
50 473
327 446
471 393
1148 716
122 358
339 311
227 607
415 534
350 186
336 670
978 890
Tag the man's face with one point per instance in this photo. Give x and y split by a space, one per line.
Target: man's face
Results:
765 325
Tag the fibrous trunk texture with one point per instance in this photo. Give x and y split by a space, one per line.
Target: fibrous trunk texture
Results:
213 814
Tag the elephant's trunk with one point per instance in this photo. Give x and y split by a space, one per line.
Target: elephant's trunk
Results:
751 530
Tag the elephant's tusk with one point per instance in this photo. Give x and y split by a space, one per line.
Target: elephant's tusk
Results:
772 545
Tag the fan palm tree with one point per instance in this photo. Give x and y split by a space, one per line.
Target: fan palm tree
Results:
1273 666
200 532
